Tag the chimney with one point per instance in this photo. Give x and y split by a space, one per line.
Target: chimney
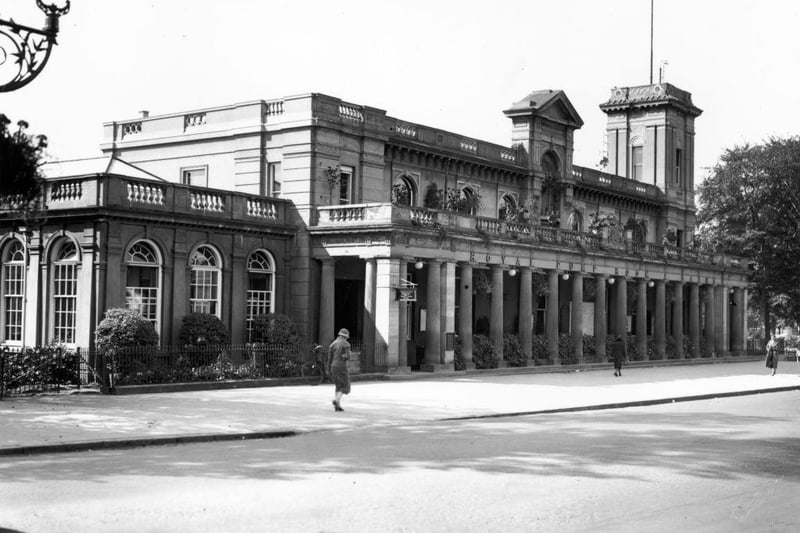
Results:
144 113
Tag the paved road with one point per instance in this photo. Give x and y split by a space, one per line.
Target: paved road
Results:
46 423
722 465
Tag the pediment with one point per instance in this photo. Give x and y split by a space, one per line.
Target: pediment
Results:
552 105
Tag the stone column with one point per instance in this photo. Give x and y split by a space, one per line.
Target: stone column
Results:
433 333
387 337
402 323
496 320
620 306
719 321
448 310
744 321
577 315
736 324
694 318
368 334
35 277
600 318
525 311
710 323
726 322
641 318
327 327
660 321
551 320
465 316
677 318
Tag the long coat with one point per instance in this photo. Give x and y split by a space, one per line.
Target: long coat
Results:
618 353
772 348
338 354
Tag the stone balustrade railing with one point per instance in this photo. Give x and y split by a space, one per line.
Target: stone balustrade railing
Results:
443 221
594 177
120 193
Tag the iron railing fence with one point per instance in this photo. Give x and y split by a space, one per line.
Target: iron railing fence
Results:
193 363
41 369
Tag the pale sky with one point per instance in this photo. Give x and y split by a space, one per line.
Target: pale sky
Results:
454 65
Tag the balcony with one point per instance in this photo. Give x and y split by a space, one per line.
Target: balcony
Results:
380 216
616 184
146 196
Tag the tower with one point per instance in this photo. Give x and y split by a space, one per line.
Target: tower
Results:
650 132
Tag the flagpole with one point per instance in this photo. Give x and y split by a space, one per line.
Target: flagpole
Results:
651 42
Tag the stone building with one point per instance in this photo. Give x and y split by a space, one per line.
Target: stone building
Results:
412 237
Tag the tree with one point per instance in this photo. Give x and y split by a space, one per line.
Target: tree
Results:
750 207
20 156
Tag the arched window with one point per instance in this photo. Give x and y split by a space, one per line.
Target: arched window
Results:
404 191
260 286
143 281
12 284
551 187
64 294
468 203
508 208
204 287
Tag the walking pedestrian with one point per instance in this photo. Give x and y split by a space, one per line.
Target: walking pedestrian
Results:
618 353
772 354
338 355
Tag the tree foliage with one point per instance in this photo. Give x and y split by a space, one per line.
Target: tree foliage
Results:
750 207
124 328
20 155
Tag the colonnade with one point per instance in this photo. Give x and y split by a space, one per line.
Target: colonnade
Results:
713 314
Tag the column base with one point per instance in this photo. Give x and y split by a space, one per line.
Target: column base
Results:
398 370
436 368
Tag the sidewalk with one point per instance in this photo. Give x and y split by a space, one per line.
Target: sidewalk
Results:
51 423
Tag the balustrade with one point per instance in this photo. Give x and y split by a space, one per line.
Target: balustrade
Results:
143 193
262 209
66 191
207 201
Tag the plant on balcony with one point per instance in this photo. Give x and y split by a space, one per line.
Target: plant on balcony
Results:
333 175
670 238
638 229
433 197
400 194
600 221
461 201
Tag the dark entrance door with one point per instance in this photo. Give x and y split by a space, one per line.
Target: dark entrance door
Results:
349 308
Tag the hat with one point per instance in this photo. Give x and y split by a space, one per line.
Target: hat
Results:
344 333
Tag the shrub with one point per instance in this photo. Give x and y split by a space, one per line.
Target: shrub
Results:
458 359
274 328
512 350
200 329
539 347
566 349
123 328
589 346
40 367
483 352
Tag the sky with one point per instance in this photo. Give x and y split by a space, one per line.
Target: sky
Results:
454 65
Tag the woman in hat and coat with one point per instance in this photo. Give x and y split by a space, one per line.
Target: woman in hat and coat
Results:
338 354
618 349
772 354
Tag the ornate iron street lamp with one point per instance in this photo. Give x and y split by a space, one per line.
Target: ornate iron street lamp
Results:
30 47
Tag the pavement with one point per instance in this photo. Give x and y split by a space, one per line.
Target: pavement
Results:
51 423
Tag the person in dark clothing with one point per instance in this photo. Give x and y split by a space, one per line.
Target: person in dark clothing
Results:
618 350
772 355
338 355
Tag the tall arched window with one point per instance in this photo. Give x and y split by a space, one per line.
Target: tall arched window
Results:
469 201
64 295
143 281
13 283
260 286
404 191
204 287
551 186
508 208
